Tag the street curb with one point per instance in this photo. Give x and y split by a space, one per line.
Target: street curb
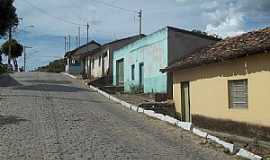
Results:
69 75
246 154
183 125
199 133
226 145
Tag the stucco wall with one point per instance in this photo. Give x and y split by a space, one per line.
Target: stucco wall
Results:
209 89
152 51
96 71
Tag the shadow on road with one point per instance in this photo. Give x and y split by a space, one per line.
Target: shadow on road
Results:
8 81
50 88
5 120
48 81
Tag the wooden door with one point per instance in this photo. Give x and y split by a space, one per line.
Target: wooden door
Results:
185 101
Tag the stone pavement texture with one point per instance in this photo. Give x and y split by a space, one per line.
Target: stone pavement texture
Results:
46 116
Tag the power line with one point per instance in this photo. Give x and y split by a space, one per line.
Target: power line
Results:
114 6
52 16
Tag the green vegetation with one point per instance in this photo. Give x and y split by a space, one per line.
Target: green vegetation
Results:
8 20
8 16
56 66
206 34
3 68
16 50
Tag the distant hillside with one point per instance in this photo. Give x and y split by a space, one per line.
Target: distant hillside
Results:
56 66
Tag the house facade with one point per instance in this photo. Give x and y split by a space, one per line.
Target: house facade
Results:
137 66
73 58
226 84
72 65
98 63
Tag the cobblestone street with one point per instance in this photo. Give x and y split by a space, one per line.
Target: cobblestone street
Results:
52 117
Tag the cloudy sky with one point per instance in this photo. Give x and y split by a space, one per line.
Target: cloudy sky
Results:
114 19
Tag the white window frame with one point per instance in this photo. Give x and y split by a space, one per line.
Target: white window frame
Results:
236 91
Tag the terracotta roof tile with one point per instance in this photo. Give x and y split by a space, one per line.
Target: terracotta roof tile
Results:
246 44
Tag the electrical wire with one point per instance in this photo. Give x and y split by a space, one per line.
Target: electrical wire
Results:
52 16
114 6
75 23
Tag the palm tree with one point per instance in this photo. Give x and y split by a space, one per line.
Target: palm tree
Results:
16 51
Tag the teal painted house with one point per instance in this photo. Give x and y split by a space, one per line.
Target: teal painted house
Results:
138 64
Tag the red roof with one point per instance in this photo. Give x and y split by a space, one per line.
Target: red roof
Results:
246 44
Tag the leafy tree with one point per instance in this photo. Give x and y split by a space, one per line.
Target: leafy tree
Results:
56 66
206 34
8 16
3 69
0 57
16 50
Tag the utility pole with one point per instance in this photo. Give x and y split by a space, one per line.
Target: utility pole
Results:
69 42
79 36
76 41
140 20
24 57
87 27
65 44
9 44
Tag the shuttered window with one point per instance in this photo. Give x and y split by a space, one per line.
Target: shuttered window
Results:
238 93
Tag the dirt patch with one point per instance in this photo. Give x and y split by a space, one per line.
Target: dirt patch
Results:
233 127
255 134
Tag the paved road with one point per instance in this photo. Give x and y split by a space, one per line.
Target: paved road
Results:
52 117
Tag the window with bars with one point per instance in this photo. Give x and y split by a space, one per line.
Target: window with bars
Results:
238 93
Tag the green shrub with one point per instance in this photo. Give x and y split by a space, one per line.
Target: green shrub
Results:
3 68
56 66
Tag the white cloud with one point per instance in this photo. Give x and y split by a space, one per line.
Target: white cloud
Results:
231 27
226 23
230 17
